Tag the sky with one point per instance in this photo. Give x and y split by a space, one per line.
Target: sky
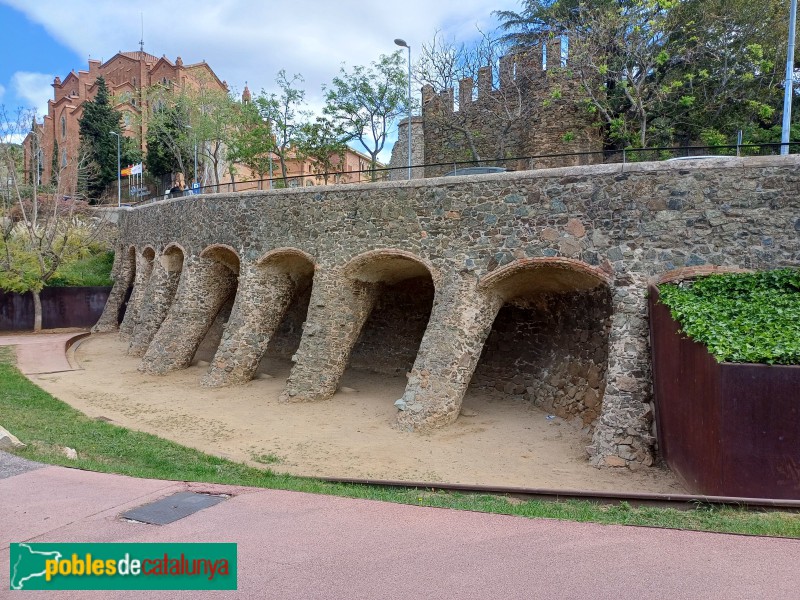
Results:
243 41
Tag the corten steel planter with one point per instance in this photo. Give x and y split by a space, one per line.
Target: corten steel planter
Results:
61 307
725 429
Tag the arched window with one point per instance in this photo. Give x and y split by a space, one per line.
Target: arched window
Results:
134 82
64 157
63 127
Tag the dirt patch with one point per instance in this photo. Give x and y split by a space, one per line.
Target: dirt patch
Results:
506 442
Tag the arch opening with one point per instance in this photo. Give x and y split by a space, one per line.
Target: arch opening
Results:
402 288
129 276
548 344
284 339
219 283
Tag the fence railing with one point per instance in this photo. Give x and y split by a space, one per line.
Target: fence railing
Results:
518 163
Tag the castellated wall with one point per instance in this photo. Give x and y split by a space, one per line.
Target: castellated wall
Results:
531 284
532 109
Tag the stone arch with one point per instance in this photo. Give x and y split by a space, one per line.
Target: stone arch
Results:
389 265
549 340
223 254
205 294
138 267
173 257
158 297
371 313
270 307
123 273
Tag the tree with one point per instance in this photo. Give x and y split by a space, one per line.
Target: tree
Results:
251 142
170 145
366 101
39 233
211 113
100 147
657 72
322 144
286 119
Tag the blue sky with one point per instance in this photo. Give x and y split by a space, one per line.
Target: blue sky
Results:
242 40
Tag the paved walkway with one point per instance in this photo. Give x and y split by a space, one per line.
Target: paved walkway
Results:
294 545
41 352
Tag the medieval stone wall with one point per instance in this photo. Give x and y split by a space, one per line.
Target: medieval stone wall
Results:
532 108
568 253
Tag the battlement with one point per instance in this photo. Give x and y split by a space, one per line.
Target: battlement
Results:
515 70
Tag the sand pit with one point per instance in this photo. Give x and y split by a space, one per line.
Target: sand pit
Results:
504 443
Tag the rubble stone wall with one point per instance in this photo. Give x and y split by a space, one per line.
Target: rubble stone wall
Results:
551 241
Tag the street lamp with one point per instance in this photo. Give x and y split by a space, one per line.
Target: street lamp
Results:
119 172
403 44
195 157
789 82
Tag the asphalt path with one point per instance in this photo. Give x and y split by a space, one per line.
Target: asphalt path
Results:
295 545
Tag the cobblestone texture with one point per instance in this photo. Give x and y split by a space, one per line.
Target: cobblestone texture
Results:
549 242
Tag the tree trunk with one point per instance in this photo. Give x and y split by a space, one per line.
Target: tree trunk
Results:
37 311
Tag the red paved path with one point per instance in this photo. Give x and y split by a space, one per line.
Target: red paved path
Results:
42 352
294 545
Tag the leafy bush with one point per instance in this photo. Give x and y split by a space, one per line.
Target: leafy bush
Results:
92 271
749 317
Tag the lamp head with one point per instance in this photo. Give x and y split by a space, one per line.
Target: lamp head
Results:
401 43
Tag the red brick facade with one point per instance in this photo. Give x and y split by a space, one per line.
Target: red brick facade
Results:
128 76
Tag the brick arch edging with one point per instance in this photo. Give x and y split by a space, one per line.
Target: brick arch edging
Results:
204 253
496 277
352 266
685 273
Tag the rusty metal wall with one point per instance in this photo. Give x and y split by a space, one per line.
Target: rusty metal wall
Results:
61 307
724 428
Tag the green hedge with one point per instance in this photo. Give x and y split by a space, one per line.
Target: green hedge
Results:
749 317
93 271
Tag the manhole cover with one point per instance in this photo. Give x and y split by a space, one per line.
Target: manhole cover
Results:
172 508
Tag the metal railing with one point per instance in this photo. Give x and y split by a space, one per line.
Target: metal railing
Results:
518 163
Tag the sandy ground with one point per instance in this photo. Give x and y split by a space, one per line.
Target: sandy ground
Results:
505 443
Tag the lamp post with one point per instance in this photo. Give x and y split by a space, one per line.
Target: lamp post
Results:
195 155
119 172
789 82
403 44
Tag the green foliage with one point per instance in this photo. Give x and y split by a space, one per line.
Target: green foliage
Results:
752 318
98 121
365 101
92 271
169 146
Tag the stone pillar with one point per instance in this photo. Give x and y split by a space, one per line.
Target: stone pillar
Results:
622 435
204 287
158 297
338 309
123 271
460 322
144 269
261 302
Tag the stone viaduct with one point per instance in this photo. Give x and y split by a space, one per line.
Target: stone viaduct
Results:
532 283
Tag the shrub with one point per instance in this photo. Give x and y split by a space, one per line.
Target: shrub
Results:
748 317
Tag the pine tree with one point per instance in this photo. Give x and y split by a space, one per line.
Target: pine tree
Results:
98 121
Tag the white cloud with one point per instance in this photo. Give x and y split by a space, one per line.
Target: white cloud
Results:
34 88
250 41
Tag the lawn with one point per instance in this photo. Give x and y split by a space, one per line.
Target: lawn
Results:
46 425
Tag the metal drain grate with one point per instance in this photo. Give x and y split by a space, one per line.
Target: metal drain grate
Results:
172 508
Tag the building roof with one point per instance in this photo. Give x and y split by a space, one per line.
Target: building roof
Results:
140 55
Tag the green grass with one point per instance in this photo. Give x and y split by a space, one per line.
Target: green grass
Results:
46 424
93 271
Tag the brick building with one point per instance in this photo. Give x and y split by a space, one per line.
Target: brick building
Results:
128 75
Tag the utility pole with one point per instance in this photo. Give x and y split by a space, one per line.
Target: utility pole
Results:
788 83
